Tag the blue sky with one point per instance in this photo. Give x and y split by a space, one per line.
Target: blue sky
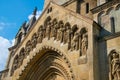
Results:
12 14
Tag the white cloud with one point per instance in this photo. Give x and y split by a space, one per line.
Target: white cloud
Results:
4 45
13 42
6 24
37 15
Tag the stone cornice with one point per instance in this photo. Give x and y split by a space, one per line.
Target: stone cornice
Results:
104 6
67 3
109 37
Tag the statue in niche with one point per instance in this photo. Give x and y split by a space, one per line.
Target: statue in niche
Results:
84 43
66 38
34 41
40 35
21 57
54 30
115 66
44 31
15 64
48 30
75 41
28 48
60 33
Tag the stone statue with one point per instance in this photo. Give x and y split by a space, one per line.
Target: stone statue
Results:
15 64
28 48
44 31
34 41
84 44
48 30
54 30
74 43
115 66
60 33
20 59
40 35
66 38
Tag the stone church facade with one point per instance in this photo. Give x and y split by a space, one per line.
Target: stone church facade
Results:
71 40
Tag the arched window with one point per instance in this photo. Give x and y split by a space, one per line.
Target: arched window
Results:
112 21
100 18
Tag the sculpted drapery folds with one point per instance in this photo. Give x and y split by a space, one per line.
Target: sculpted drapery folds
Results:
74 38
84 44
28 48
66 38
54 28
47 27
115 66
15 64
40 34
83 41
60 31
34 40
48 30
21 57
74 42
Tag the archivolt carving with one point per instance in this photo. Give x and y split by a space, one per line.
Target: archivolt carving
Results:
63 33
114 63
117 7
48 62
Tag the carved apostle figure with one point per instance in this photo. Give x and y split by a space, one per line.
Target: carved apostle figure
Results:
40 35
74 42
21 57
60 33
28 48
66 38
54 30
84 44
115 65
34 41
15 64
48 30
44 31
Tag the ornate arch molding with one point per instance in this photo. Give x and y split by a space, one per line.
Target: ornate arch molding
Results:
45 53
117 7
